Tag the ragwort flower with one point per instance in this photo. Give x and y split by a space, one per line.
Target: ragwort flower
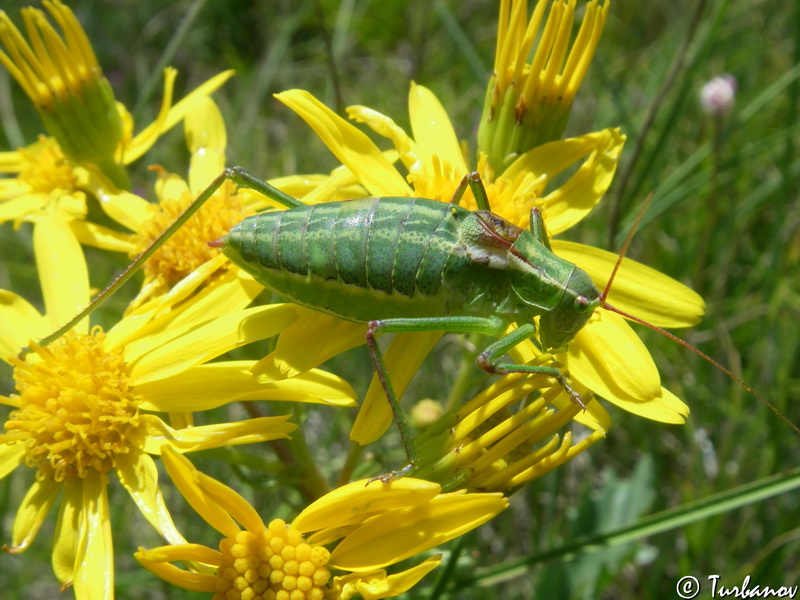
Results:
92 134
528 102
85 403
61 76
378 525
489 445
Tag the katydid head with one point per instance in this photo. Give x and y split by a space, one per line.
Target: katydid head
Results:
559 325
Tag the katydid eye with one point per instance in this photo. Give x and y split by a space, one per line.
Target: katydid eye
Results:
582 304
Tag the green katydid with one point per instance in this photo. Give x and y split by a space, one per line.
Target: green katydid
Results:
413 264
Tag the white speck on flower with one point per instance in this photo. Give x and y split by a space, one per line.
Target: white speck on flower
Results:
718 94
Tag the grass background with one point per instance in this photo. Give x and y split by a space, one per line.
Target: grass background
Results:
725 219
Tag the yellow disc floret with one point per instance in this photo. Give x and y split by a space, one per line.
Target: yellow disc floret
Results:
77 411
188 248
274 563
45 168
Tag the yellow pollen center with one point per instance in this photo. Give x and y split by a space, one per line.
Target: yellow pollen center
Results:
508 198
46 169
77 410
272 564
188 248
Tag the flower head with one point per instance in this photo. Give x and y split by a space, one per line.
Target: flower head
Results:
61 76
718 94
528 101
85 404
378 525
489 445
92 134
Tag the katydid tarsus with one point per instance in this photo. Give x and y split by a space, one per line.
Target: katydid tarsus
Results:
414 264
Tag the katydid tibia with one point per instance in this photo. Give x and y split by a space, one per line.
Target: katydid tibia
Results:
414 264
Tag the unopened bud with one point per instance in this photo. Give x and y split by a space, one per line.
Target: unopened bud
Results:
717 95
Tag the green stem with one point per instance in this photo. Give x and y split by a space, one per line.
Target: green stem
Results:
353 457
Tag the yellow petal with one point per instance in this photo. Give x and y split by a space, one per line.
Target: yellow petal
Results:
395 535
210 340
565 206
233 289
206 138
351 146
311 340
357 501
608 357
194 439
595 416
90 234
125 208
94 562
144 140
178 553
169 117
402 359
67 534
374 586
154 561
239 508
62 272
664 407
208 386
139 476
230 292
21 322
637 289
184 476
21 206
433 130
31 514
170 186
385 126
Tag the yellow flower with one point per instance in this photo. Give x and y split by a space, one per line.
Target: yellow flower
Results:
85 403
61 76
486 445
528 103
378 525
92 133
606 356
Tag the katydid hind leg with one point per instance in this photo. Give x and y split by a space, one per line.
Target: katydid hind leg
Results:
130 271
235 174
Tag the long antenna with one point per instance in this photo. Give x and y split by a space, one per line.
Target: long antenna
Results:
669 335
706 357
625 245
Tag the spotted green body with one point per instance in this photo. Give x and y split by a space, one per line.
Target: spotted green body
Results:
388 258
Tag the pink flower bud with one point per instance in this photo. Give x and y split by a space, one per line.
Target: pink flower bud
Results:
718 94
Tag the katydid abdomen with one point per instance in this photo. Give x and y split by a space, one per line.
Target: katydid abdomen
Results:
377 258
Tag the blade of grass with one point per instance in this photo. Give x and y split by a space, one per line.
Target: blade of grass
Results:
667 520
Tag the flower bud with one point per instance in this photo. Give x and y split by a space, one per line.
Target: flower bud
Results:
718 95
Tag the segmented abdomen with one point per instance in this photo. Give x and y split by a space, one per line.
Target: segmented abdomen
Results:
332 255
